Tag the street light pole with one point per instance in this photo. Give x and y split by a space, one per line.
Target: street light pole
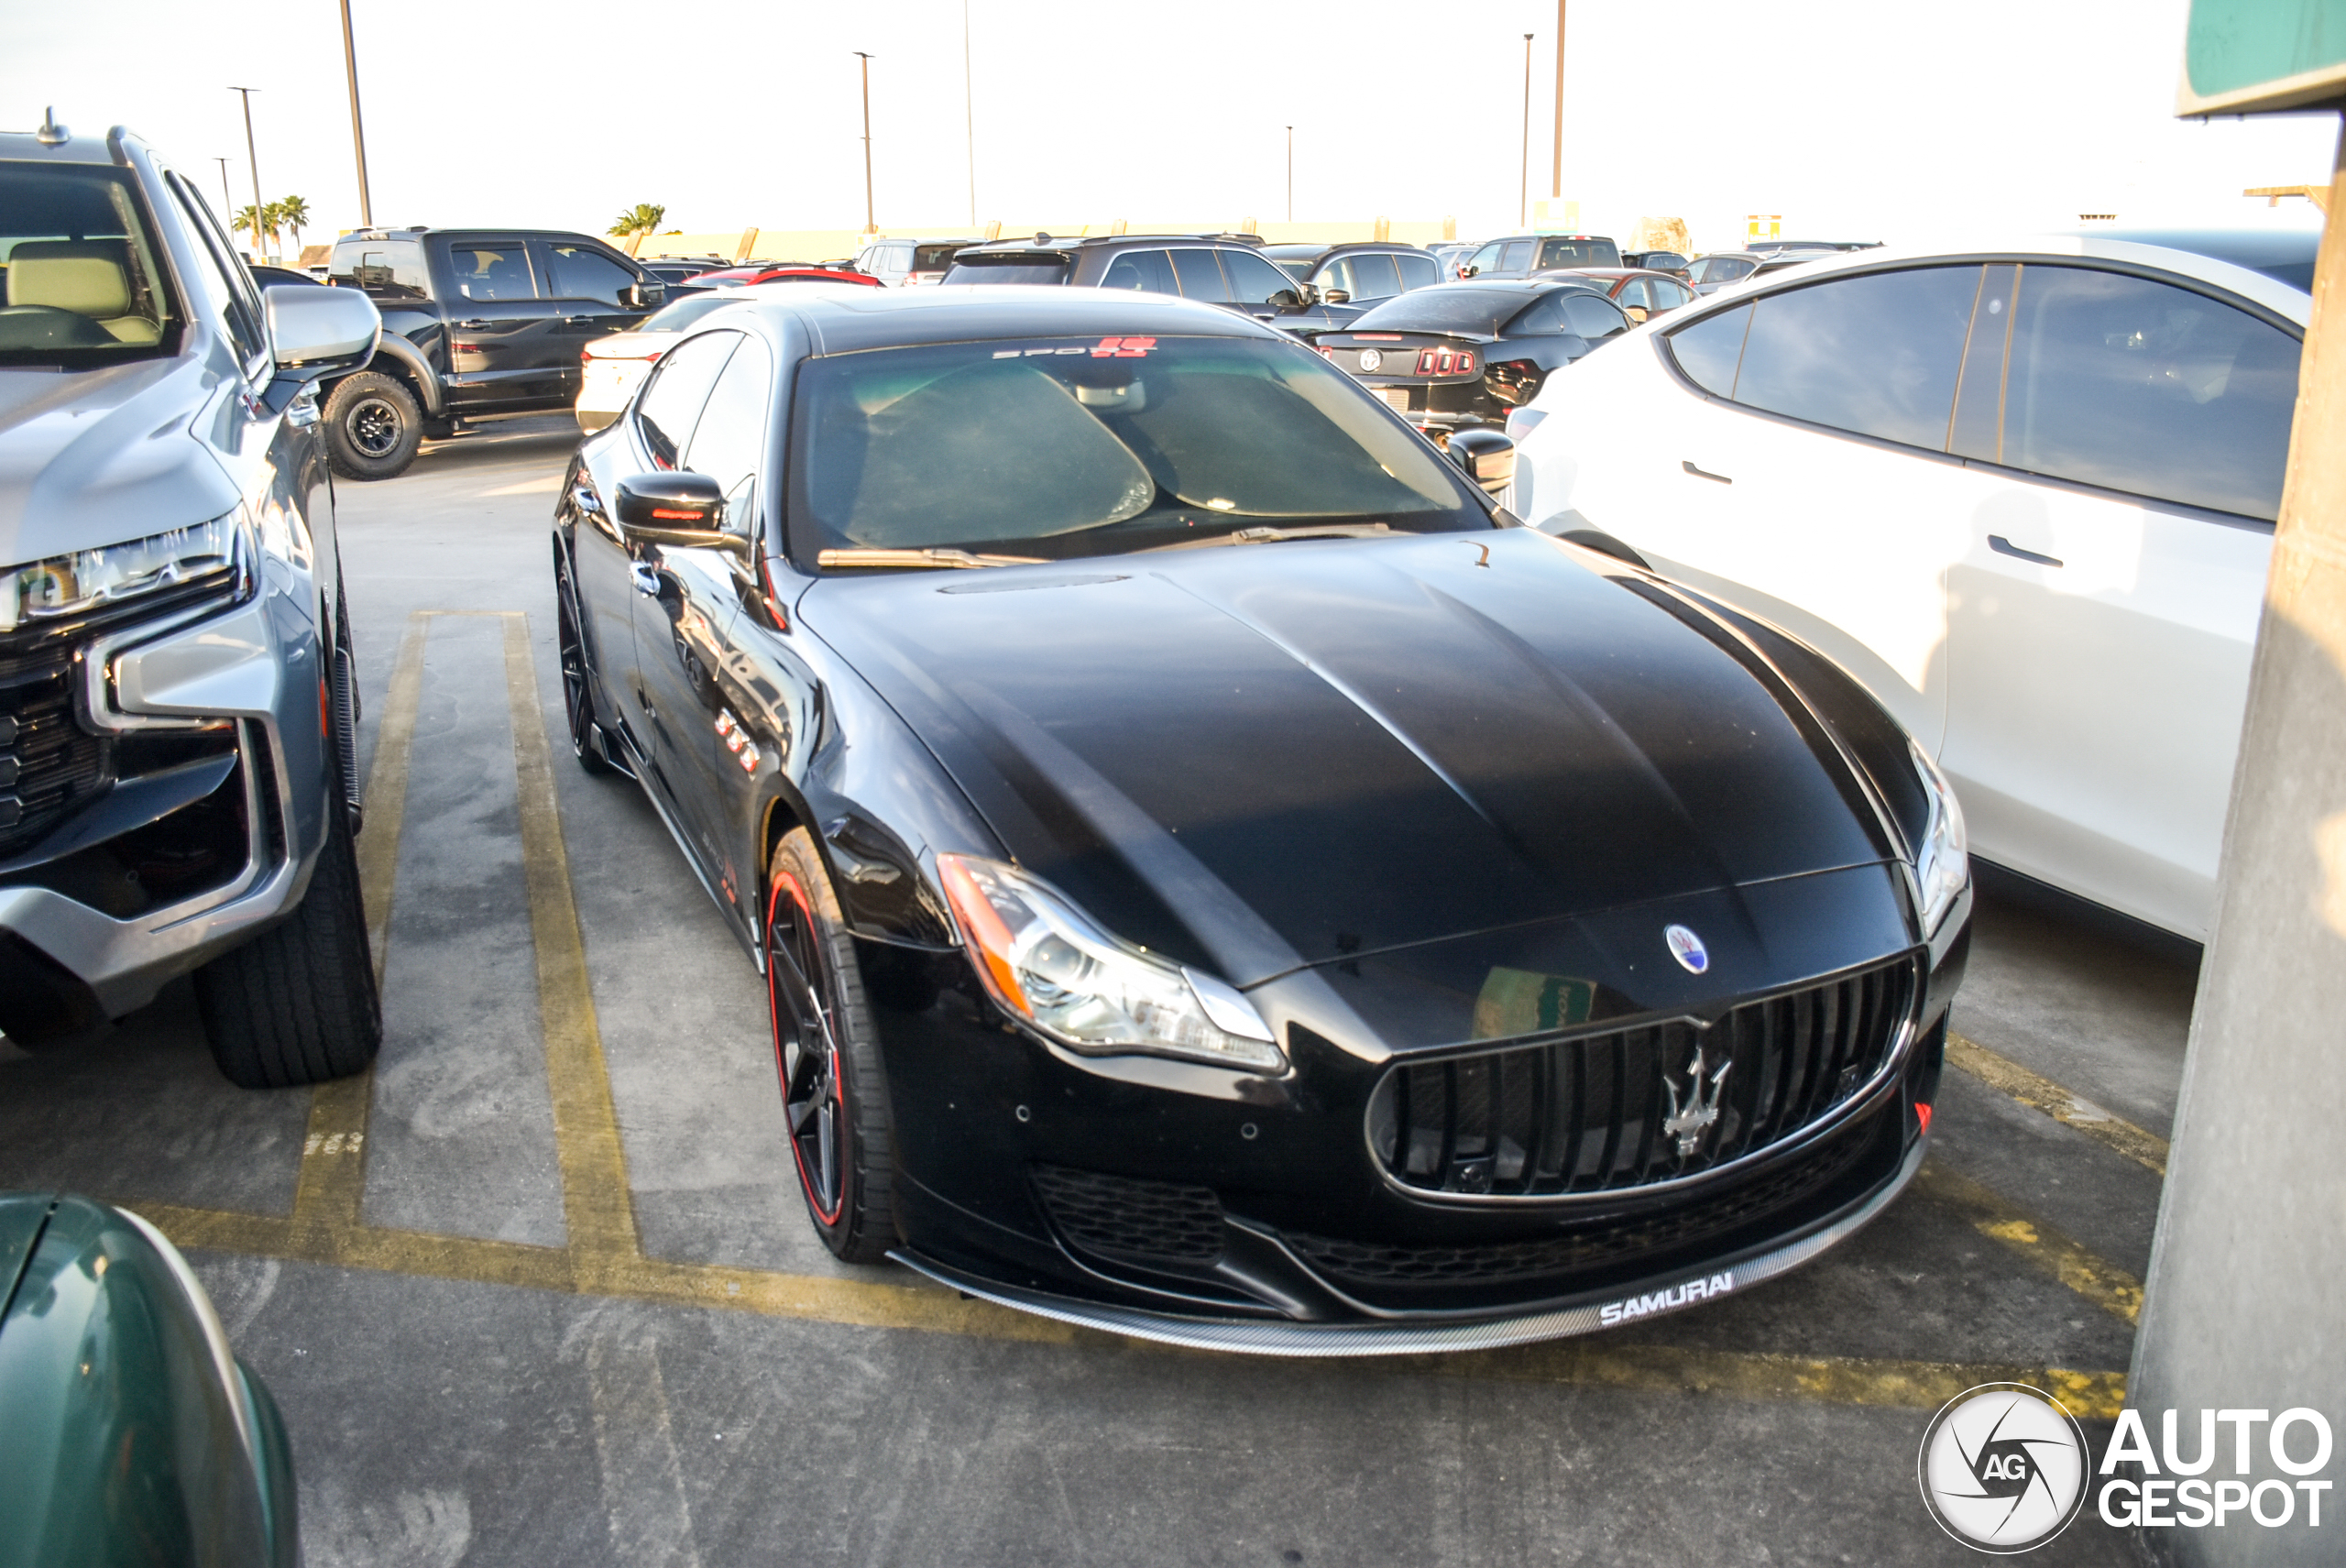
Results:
253 158
1556 184
357 132
870 224
1523 185
1290 174
227 202
968 115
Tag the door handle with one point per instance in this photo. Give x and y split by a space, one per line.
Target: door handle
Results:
577 320
2003 546
645 579
474 326
1705 474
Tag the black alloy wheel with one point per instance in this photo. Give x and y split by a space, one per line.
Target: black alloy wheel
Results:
588 743
833 1096
373 427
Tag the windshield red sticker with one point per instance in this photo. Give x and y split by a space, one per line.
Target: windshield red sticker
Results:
1124 347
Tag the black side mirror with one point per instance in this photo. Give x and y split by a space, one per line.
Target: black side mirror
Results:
644 296
1286 300
1488 456
1468 270
680 508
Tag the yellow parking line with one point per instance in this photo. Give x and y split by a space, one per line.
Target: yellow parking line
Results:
2041 1093
2103 1283
597 1202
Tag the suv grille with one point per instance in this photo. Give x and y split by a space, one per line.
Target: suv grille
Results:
1587 1114
1122 1217
49 763
1368 1263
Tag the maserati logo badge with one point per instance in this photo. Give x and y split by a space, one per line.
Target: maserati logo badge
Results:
1689 1119
1688 948
1370 358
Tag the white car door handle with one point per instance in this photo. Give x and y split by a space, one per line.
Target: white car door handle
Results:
2003 546
1705 473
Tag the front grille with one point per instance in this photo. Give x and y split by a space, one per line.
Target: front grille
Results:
1123 1217
1609 1111
49 763
1372 1264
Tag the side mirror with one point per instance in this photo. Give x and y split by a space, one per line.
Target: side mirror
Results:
1468 270
1335 296
1286 300
645 296
680 508
314 332
1488 456
1635 312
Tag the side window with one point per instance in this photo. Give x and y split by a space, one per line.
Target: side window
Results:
1593 316
2143 387
386 268
1669 296
491 269
1875 354
1417 271
1338 274
1634 293
1517 257
1486 258
672 403
1376 276
1200 276
1144 269
1708 350
232 304
1538 320
580 273
1251 279
729 443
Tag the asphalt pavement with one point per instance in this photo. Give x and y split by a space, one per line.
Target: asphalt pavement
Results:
541 1290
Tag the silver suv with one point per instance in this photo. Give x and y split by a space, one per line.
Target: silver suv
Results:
177 712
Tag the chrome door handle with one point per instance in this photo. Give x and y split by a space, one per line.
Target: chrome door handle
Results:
2003 546
1705 474
577 320
474 326
645 579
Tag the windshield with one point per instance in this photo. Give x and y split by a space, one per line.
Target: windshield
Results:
936 257
1445 307
1580 252
1062 447
78 269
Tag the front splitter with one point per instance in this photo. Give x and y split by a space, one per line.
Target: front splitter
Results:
1651 1298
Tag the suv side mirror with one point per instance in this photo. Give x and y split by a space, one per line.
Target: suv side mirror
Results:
644 296
1335 296
1488 456
315 333
1468 270
1286 300
681 509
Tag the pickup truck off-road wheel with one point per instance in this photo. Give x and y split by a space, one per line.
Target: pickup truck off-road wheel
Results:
297 1004
373 427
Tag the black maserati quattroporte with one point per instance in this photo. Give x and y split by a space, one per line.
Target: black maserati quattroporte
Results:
1218 878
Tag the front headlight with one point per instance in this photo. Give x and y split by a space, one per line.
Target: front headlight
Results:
1043 960
1942 864
91 579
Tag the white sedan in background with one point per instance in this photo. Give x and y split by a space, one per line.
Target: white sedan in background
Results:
2026 493
615 366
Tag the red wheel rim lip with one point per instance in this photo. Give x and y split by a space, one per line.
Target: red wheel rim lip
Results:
781 1070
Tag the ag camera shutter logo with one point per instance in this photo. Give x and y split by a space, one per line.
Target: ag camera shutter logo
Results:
2003 1468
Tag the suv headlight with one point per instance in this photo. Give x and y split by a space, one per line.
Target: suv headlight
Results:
1046 962
91 579
1942 864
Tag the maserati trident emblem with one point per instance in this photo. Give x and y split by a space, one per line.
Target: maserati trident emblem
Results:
1688 1122
1688 948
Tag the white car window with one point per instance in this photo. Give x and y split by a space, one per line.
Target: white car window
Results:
1875 354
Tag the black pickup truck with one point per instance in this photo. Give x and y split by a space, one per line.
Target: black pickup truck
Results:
476 322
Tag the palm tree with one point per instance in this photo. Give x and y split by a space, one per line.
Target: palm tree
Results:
294 214
249 222
642 218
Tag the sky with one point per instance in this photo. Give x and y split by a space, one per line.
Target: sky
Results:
1849 118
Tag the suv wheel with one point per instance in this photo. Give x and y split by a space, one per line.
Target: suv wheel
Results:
373 427
297 1004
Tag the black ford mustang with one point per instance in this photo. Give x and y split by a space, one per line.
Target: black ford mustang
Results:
1218 878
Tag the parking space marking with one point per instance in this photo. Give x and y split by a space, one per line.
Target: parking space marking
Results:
2097 1279
603 1257
2041 1094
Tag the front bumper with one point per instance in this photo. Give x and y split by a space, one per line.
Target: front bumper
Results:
84 935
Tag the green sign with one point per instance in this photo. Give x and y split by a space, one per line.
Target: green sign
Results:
2247 57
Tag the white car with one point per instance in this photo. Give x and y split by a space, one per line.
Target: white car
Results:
2026 493
614 365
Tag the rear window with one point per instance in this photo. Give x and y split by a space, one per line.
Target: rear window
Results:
936 257
1059 447
1446 307
1012 269
1578 252
79 267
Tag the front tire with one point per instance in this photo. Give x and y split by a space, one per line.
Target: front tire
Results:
373 426
297 1004
833 1093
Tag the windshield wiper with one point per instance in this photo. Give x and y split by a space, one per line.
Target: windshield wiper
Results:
919 558
1273 535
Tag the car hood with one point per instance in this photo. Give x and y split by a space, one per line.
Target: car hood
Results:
92 457
1265 755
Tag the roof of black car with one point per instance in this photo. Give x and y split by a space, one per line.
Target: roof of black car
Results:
1297 250
1098 241
845 321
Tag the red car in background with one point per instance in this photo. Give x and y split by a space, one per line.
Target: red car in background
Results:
776 272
